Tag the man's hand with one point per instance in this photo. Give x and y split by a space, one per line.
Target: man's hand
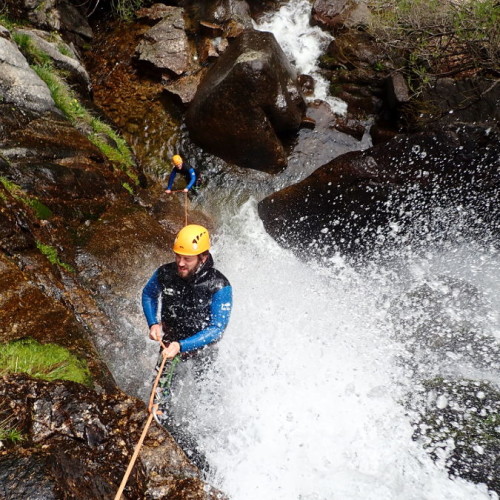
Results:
168 191
185 190
155 332
172 350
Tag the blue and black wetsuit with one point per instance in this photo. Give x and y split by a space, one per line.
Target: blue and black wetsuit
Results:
194 311
188 173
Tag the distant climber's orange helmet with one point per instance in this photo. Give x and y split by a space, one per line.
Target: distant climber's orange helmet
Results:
177 160
192 240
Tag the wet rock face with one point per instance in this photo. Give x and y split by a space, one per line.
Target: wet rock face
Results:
246 103
77 444
363 201
438 321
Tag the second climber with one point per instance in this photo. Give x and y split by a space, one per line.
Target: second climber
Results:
188 173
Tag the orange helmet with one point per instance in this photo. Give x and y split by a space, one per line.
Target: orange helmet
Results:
192 240
177 160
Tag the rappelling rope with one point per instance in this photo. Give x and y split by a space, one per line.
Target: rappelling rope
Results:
153 410
186 207
185 204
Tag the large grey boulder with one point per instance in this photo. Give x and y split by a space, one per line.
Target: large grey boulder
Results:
19 84
248 102
166 45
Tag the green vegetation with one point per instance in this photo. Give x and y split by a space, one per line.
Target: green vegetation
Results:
432 38
124 9
111 144
44 361
127 187
8 431
30 50
41 211
52 256
7 22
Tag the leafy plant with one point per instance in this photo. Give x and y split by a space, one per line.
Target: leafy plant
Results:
127 187
44 361
30 50
8 431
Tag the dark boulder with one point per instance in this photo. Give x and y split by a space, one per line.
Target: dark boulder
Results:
247 103
363 200
457 423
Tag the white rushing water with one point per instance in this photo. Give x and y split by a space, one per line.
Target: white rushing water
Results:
305 401
303 44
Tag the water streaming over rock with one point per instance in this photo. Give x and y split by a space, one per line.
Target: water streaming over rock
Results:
303 44
308 398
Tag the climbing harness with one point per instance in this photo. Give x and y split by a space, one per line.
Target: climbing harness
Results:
153 412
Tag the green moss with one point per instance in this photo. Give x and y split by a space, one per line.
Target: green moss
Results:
43 361
126 185
42 212
7 22
52 256
30 50
125 9
66 100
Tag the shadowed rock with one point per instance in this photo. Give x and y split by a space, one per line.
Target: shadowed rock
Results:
58 15
248 101
362 200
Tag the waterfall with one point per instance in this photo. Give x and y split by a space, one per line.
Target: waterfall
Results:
302 44
305 401
307 398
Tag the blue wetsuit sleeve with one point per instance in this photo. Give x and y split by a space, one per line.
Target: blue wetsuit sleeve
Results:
192 178
171 178
150 295
222 302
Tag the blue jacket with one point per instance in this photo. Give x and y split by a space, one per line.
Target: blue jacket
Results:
194 311
188 173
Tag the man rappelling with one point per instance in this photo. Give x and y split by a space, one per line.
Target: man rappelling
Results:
196 301
189 174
